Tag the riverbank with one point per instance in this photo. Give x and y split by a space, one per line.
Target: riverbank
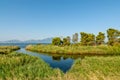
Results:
95 68
75 50
17 66
8 49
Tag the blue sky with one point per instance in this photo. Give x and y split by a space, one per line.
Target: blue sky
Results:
38 19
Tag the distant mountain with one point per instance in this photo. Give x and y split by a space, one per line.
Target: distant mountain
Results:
11 41
46 40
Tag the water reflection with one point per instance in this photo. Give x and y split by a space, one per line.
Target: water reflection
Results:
57 58
65 58
63 62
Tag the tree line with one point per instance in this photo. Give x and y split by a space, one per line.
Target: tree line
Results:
89 39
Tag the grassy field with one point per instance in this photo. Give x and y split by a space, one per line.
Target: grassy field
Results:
16 66
82 50
8 49
95 68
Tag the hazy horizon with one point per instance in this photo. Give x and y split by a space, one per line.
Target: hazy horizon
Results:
27 39
39 19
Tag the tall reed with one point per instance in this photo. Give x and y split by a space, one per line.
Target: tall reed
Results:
81 50
8 49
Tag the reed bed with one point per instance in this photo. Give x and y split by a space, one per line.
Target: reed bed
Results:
95 68
18 66
79 50
8 49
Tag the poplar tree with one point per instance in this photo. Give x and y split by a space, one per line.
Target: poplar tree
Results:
75 38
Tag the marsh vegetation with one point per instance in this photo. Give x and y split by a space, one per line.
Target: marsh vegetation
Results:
89 44
8 49
17 66
20 66
76 50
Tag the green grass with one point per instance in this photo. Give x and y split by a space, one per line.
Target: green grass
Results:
81 50
21 67
8 49
16 66
96 68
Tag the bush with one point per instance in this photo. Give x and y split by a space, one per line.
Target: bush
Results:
56 41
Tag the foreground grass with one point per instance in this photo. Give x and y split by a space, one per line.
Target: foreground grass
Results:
93 68
8 49
96 68
24 67
82 50
16 66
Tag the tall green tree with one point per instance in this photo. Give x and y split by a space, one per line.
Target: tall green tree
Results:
57 41
100 38
87 39
91 40
75 38
113 36
84 37
66 41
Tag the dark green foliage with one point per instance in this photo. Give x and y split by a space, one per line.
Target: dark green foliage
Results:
87 39
100 38
113 36
83 38
57 41
66 41
90 39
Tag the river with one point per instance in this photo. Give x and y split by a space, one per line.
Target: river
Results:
63 62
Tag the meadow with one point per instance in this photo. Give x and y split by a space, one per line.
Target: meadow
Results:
76 50
19 66
16 66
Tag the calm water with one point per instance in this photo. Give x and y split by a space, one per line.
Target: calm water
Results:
63 62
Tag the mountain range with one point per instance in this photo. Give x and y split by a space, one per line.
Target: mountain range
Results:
46 40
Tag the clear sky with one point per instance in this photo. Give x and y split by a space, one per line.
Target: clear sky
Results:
38 19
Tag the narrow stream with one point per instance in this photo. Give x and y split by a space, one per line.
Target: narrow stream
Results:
63 62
